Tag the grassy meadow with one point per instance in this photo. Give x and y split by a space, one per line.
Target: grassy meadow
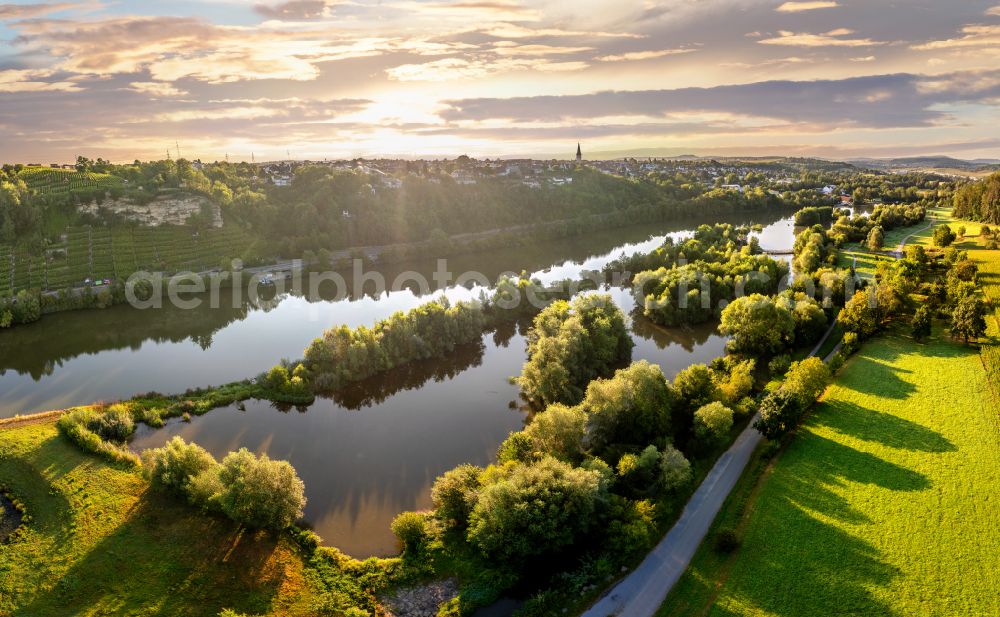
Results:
989 281
865 262
881 504
98 542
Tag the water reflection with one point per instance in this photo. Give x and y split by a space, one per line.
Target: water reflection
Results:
370 450
361 468
80 357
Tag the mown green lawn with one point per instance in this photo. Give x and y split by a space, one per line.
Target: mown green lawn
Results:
885 502
98 542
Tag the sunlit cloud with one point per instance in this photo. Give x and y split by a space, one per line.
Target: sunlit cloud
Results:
644 55
156 88
296 10
512 31
448 69
973 36
506 48
495 10
496 76
833 38
797 7
33 81
10 12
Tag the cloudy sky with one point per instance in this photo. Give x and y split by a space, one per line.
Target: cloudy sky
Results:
126 79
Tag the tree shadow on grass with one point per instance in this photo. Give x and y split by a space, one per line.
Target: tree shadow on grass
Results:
876 426
817 570
799 556
883 379
167 559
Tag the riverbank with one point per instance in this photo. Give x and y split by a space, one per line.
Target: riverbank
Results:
103 295
98 539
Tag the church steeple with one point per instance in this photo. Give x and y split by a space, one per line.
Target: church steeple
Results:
579 152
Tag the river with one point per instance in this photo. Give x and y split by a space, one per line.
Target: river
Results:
374 449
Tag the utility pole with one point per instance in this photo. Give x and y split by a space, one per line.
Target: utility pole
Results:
178 146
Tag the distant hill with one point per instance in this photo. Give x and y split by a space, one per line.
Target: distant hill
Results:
929 162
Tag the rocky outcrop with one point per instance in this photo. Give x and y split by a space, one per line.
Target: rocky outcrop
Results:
174 209
420 601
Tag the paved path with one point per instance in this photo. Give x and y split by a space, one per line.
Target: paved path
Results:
642 592
902 243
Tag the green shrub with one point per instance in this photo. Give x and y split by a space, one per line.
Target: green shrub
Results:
713 422
115 424
726 540
74 425
675 470
411 529
175 465
260 492
454 494
779 365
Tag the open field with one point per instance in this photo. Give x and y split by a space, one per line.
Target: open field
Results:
99 543
881 504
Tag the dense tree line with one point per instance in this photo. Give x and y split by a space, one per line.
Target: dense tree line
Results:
807 217
857 229
979 201
696 292
761 326
570 344
945 281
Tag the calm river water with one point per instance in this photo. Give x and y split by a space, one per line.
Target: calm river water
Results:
373 450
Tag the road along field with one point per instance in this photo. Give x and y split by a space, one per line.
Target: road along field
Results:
883 503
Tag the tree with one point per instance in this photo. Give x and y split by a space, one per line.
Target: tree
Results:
780 412
713 422
517 448
757 325
858 316
967 319
809 318
455 493
964 270
559 431
943 235
640 472
875 239
920 325
633 407
917 254
260 492
536 509
176 464
675 470
411 529
569 345
807 379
